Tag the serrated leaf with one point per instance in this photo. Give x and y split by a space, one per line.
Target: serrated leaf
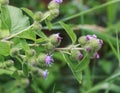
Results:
15 20
69 31
4 48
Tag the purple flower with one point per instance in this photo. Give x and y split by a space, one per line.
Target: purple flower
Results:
97 56
58 1
94 36
80 56
45 73
87 49
100 42
58 37
88 37
48 59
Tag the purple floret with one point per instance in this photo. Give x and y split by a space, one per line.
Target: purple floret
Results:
45 73
48 59
58 37
97 56
80 56
58 1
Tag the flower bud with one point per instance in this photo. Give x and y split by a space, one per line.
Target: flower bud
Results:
14 52
2 65
76 55
36 26
41 58
38 16
94 45
45 59
82 41
53 14
49 46
4 2
55 39
6 64
40 72
31 53
53 5
24 82
9 63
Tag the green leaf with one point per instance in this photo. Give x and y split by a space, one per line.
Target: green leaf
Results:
69 31
25 69
104 86
15 19
40 34
24 45
5 18
82 64
16 75
4 48
28 11
29 34
77 74
3 71
17 63
40 40
1 58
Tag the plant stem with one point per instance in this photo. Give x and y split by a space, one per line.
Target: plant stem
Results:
13 35
68 49
89 10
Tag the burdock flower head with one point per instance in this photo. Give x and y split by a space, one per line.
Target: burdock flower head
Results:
76 55
45 59
55 39
91 44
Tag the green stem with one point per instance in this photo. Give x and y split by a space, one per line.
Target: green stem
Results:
89 10
118 50
13 35
69 49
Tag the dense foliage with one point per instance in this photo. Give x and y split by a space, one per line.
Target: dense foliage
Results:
60 46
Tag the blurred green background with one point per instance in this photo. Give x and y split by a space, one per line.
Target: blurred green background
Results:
102 75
